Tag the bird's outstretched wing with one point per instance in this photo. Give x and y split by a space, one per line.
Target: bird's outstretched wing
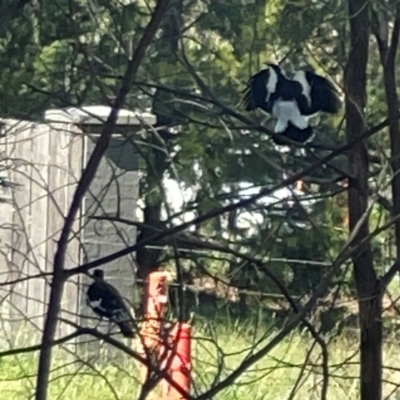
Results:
320 93
260 89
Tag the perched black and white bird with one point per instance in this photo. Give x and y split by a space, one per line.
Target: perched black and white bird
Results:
105 300
291 101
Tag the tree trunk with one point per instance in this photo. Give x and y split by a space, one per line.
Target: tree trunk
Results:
367 283
148 258
157 155
388 55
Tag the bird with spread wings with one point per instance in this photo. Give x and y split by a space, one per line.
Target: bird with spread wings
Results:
291 101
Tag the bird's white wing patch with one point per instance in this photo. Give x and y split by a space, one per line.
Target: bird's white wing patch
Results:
271 83
286 111
300 76
95 304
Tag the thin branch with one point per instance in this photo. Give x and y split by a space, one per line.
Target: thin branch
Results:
36 347
221 210
292 324
88 174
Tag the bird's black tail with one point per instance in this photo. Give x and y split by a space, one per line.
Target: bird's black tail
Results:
255 93
294 133
126 328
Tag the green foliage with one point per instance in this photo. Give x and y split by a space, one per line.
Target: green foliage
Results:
72 52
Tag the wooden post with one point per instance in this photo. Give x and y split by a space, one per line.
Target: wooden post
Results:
156 298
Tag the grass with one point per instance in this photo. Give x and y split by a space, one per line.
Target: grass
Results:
89 378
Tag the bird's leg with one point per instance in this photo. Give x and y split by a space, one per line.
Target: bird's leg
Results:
99 322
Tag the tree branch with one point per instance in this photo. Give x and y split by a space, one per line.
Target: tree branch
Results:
83 185
365 276
388 61
221 210
319 291
394 42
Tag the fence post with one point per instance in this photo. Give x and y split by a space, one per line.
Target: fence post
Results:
156 298
181 365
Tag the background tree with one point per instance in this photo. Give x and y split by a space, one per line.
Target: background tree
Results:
271 221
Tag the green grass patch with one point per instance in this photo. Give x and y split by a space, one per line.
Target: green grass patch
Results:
217 351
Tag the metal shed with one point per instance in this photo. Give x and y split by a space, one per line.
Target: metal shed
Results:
43 161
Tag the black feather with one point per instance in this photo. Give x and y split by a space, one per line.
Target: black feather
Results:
256 94
294 133
105 300
307 93
324 96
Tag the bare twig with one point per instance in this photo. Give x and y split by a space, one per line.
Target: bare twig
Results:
293 322
221 210
59 276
